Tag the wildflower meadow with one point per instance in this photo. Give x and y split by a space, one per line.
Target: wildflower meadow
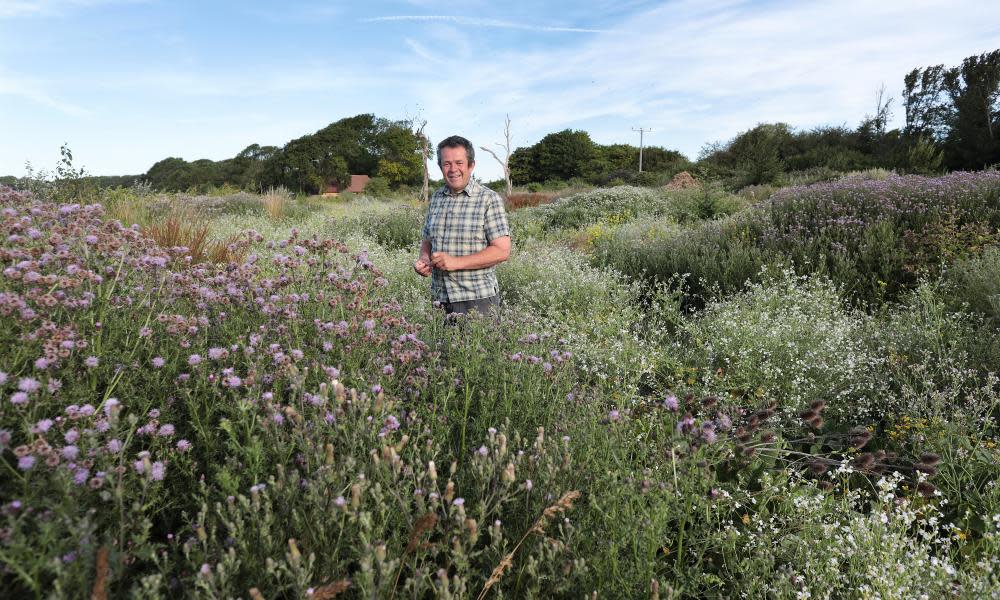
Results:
687 394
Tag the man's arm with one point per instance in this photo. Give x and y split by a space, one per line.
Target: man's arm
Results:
423 263
495 253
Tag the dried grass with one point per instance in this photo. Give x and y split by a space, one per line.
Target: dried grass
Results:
562 505
100 589
275 204
331 590
525 200
175 231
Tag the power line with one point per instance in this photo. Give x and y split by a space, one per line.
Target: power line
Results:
641 132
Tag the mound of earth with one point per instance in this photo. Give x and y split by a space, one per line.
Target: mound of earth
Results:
682 181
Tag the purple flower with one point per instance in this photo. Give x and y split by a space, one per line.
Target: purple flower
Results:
91 362
139 467
296 354
217 353
671 403
42 426
614 415
90 239
166 430
26 462
458 502
19 398
110 405
388 370
194 360
114 446
80 476
376 389
3 378
340 501
28 385
390 424
71 436
42 363
483 451
70 452
369 325
158 362
157 471
183 445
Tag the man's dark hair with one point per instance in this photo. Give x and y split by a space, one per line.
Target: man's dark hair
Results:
457 141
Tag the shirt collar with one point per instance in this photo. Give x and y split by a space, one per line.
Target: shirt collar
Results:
470 189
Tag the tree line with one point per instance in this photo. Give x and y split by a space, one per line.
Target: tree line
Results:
952 123
359 145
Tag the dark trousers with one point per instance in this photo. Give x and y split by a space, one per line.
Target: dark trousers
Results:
483 306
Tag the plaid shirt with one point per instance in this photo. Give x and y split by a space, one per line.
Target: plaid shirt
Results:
460 224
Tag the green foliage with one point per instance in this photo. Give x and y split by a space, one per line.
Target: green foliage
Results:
359 145
596 438
788 339
568 155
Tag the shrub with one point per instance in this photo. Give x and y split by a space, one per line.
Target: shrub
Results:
787 339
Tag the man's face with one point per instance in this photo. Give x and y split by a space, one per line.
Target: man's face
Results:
456 168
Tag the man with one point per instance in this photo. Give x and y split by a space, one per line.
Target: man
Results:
465 235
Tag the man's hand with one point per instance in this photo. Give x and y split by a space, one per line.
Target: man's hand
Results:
445 261
422 267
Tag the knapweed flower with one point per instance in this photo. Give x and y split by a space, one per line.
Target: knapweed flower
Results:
388 370
42 363
157 471
80 476
91 361
194 360
70 452
390 424
483 451
166 430
42 426
217 353
671 403
614 415
28 385
114 446
183 445
25 463
19 398
158 362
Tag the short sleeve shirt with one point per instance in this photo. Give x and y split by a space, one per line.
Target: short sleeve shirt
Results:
460 224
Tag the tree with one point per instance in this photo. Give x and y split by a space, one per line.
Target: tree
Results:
974 88
562 155
925 103
505 163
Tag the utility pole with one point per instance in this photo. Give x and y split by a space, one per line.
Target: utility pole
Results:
641 131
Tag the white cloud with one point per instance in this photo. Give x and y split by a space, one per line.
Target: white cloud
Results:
51 8
34 91
488 23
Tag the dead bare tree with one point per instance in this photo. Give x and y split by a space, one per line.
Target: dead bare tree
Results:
505 163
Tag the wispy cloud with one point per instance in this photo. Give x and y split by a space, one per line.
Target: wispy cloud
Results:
488 23
33 91
51 8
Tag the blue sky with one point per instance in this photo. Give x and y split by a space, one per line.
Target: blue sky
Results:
128 82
